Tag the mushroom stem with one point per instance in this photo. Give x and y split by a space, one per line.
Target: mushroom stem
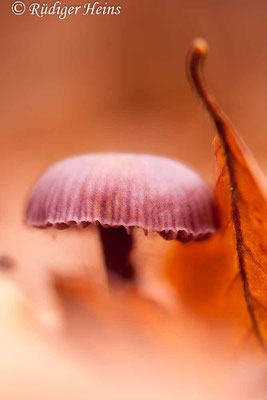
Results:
117 244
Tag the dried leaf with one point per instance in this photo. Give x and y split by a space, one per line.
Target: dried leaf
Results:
227 275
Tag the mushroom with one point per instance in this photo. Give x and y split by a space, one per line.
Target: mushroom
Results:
119 192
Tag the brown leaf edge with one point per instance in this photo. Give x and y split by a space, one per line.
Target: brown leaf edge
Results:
197 56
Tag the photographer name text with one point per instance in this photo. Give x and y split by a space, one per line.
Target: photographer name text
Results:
62 11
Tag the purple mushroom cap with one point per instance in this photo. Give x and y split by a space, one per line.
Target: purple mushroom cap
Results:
128 190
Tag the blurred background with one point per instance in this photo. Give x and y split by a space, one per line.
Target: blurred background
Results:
116 83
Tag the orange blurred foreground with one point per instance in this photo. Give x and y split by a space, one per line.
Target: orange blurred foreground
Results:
118 347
